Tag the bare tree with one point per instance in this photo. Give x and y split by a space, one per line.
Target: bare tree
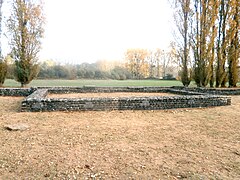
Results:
154 59
136 62
182 16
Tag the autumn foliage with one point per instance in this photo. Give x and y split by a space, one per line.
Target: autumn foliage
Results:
25 27
3 71
209 33
156 64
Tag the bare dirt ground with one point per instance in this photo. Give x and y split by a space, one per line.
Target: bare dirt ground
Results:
118 94
173 144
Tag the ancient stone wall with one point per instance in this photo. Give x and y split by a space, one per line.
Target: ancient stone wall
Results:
92 89
38 101
216 91
16 91
145 103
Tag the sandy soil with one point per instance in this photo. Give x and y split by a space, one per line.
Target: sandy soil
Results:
118 94
173 144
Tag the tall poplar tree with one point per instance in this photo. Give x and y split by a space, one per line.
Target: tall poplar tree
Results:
203 40
234 45
214 39
25 27
182 17
222 44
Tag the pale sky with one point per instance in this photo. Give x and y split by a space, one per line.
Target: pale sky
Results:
89 30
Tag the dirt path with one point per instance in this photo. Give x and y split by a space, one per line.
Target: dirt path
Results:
172 144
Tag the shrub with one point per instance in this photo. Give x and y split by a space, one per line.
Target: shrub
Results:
3 71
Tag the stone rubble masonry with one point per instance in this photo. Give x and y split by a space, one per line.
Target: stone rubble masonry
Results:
16 91
36 98
216 91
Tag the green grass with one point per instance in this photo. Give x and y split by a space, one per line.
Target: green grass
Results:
106 83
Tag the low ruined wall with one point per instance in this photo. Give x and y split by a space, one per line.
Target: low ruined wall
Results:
184 92
16 91
38 102
215 91
31 102
174 90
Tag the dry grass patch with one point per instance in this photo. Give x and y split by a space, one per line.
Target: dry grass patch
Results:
172 144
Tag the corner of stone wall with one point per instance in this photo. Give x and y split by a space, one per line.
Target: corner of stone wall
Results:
33 102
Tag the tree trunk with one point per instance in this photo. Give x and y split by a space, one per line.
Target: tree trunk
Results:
233 53
185 78
23 85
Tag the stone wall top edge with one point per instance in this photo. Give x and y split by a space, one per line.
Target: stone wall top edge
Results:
99 87
183 97
14 88
206 88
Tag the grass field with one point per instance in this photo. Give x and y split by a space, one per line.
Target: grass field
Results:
173 144
104 83
12 83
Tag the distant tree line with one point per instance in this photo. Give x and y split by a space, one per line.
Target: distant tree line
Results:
82 71
154 64
138 64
